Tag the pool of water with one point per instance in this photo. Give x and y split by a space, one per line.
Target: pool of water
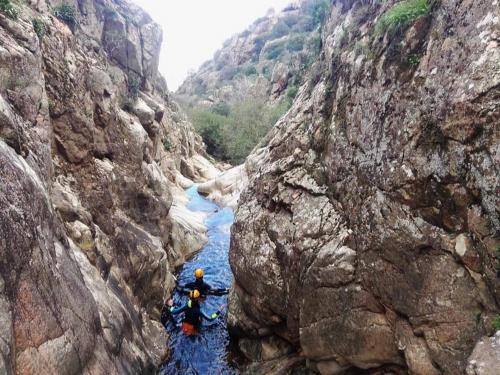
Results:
208 352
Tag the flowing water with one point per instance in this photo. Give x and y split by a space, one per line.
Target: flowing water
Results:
208 352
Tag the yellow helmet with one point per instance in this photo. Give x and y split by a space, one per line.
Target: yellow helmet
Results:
194 294
199 273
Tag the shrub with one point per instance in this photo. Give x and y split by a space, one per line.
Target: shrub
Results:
128 105
314 43
318 10
291 92
134 86
250 70
274 51
66 13
229 72
296 43
291 20
210 126
167 146
401 15
413 60
233 137
314 13
249 122
496 323
266 72
39 27
221 108
279 30
8 9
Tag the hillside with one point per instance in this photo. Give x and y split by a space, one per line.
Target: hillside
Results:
236 97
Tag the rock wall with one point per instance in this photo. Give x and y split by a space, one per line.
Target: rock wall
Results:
92 151
368 236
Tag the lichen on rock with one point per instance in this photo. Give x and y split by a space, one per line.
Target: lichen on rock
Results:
367 236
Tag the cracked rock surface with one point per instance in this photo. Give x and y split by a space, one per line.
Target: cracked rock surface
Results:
91 154
367 237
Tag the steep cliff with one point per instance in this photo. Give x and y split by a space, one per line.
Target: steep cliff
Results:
367 237
92 157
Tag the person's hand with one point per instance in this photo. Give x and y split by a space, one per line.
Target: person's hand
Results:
170 302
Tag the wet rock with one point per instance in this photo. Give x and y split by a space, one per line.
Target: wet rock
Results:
225 189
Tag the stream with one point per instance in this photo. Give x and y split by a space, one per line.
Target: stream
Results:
208 352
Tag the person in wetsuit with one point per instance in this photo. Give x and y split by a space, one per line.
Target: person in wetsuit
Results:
193 314
200 285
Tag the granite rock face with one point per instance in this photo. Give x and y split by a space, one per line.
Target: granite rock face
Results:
367 237
91 150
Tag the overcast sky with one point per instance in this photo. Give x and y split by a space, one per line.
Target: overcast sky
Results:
194 29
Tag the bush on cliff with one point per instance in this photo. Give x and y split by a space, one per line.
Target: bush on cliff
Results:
39 27
66 13
401 15
8 9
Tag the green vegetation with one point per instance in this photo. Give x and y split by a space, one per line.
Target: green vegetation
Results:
279 30
413 60
291 92
312 14
314 43
401 15
273 51
167 146
134 86
498 260
317 10
496 323
250 70
266 72
39 27
221 108
231 137
8 9
296 43
229 72
210 126
66 13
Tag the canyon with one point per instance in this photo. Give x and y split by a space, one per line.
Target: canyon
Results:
366 227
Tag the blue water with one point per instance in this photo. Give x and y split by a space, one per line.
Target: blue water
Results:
206 353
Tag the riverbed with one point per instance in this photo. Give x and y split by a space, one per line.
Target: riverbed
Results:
208 352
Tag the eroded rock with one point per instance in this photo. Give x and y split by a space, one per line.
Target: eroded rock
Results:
366 234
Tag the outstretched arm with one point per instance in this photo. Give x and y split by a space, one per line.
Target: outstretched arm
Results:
213 316
175 311
218 292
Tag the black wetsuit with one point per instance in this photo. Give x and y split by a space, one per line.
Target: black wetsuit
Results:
193 314
200 286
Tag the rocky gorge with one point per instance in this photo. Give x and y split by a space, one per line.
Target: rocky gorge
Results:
366 224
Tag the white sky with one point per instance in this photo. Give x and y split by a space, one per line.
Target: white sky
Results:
194 29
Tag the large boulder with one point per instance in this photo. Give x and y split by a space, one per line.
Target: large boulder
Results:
367 235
